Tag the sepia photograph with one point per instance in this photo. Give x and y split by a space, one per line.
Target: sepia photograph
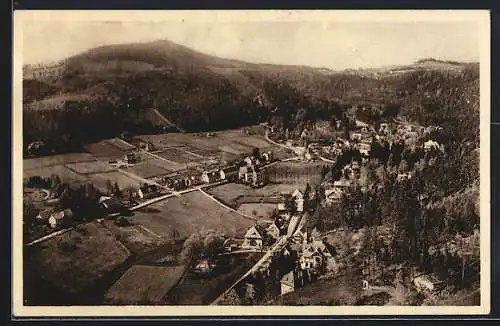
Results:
251 163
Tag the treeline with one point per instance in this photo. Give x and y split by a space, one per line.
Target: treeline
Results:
82 200
190 93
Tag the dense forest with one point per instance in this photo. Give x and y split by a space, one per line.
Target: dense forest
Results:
113 89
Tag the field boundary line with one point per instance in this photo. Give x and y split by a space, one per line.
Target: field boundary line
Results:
149 231
275 143
49 236
138 178
176 194
227 207
164 159
170 123
324 159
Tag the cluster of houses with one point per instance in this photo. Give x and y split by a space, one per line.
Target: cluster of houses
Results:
313 258
129 159
55 217
248 171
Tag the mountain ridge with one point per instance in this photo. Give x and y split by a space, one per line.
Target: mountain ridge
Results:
115 87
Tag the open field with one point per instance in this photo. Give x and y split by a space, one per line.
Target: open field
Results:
232 192
229 143
260 210
144 285
137 239
89 167
148 170
166 165
124 181
63 172
32 163
76 259
179 155
190 213
200 151
105 150
121 144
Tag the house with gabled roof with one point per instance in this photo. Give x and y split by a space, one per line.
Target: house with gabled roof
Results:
333 196
244 174
210 176
298 197
229 173
253 238
273 230
318 257
59 218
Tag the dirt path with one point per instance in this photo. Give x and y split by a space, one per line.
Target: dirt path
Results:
170 123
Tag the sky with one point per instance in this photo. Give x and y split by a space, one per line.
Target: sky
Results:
329 44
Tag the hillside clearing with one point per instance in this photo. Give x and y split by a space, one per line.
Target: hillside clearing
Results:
76 259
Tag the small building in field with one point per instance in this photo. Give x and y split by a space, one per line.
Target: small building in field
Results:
204 266
146 146
318 257
244 174
131 158
267 157
253 238
430 145
111 205
148 191
210 176
428 283
298 197
259 178
43 215
229 173
333 196
60 218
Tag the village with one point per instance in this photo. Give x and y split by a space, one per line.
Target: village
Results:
282 234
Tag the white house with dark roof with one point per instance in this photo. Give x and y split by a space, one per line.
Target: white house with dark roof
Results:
318 257
253 238
298 197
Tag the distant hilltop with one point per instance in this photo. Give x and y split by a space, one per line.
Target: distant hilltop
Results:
421 64
44 70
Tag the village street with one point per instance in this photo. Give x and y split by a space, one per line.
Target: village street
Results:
280 244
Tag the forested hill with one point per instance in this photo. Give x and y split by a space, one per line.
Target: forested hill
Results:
112 89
